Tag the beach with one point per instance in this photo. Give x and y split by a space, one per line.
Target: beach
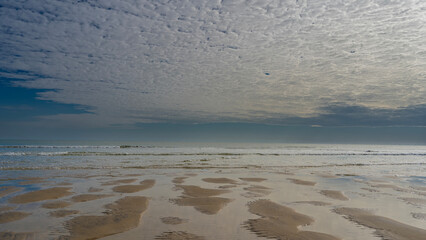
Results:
213 192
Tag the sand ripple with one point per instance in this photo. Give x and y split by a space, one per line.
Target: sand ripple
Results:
385 227
123 215
178 236
40 195
281 222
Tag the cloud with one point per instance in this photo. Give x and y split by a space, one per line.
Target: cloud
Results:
212 61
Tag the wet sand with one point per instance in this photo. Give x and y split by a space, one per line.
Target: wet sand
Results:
4 191
134 188
89 197
40 195
334 195
219 180
384 227
214 204
302 182
281 222
178 236
6 217
122 215
55 204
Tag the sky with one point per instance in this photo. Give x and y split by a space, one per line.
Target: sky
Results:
120 66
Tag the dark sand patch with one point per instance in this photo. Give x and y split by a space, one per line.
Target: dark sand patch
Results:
93 189
6 217
253 179
173 220
370 189
302 182
387 185
315 203
191 174
257 191
62 213
178 235
64 184
40 195
6 208
219 180
55 204
134 188
420 216
415 201
179 180
122 215
227 186
29 182
120 181
420 188
6 190
334 194
195 191
89 197
281 222
385 227
206 205
16 236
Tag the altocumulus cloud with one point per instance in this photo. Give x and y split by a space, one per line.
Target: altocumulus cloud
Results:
290 62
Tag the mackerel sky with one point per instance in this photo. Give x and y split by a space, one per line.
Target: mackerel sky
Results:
108 63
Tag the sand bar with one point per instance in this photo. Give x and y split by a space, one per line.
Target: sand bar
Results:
123 215
41 195
281 222
179 180
6 217
89 197
173 220
56 204
206 205
16 236
334 194
385 227
219 180
195 191
120 181
62 213
134 188
178 235
6 190
253 179
302 182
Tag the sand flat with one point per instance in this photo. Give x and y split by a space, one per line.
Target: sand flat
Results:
6 217
134 188
56 204
315 203
334 194
206 205
17 236
219 180
89 197
62 213
173 220
179 180
41 195
119 181
196 191
385 227
252 179
302 182
178 235
414 201
6 190
123 215
281 222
